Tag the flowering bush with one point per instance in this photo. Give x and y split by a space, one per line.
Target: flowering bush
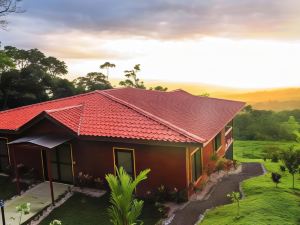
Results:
87 180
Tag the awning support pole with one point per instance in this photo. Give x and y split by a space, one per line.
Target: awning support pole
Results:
16 171
50 175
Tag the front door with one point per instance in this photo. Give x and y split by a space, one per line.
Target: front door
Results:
4 158
125 158
61 164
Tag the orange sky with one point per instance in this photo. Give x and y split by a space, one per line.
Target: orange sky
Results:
241 44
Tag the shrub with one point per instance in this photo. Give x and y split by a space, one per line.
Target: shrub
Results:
282 168
275 157
220 165
272 152
214 157
161 194
276 178
235 164
85 180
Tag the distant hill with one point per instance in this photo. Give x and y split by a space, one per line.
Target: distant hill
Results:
270 99
274 99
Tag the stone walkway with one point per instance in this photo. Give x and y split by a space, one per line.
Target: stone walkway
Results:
191 213
39 197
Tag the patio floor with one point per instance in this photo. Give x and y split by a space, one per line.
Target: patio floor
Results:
39 197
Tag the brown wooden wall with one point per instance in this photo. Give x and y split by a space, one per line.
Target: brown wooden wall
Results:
170 165
167 164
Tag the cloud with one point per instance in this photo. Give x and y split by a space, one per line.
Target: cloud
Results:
171 19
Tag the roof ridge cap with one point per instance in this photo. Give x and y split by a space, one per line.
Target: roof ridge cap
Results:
155 118
62 108
80 119
46 102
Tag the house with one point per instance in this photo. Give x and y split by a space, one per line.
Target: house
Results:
172 133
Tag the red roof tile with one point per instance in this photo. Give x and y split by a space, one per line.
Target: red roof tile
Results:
133 113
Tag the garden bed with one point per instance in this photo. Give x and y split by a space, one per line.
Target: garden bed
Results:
84 210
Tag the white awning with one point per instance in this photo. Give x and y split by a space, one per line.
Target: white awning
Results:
47 141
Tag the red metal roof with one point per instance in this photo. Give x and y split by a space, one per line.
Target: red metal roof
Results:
175 116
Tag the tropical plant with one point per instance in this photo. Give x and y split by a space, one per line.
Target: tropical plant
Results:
125 209
276 178
56 222
291 160
22 209
235 198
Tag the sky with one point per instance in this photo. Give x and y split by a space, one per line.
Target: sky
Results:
232 43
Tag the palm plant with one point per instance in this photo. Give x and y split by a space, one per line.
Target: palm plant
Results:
125 209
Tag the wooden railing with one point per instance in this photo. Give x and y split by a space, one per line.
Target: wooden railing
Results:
228 137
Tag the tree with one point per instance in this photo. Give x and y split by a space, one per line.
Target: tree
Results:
6 63
291 160
28 76
92 81
124 209
276 178
54 67
7 7
159 88
235 197
61 88
132 80
107 66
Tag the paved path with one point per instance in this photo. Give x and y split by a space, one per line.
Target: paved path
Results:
190 214
39 197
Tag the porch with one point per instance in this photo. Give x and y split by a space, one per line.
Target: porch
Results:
38 197
55 158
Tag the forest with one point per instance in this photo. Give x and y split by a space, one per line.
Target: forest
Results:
252 124
29 76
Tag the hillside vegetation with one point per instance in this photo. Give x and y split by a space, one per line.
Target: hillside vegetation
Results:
263 203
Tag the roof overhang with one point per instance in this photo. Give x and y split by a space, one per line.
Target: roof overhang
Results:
48 141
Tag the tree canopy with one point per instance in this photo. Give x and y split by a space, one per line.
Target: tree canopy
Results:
254 124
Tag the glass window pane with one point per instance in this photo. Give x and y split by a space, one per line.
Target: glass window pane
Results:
54 171
4 162
124 159
53 155
64 154
196 165
3 147
193 168
197 162
66 173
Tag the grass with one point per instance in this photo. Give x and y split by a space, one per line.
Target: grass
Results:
8 189
83 210
264 203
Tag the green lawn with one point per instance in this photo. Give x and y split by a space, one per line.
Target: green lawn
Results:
83 210
264 203
7 188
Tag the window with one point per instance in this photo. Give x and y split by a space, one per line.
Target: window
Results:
217 141
4 158
196 165
125 158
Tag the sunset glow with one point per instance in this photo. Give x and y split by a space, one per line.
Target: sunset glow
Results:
249 45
